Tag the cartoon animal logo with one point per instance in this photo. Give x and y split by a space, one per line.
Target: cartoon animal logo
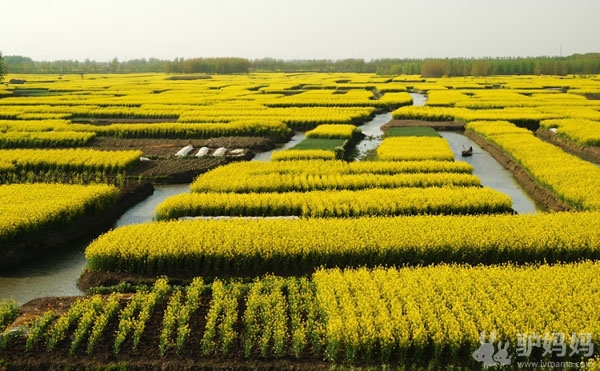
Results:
486 353
502 355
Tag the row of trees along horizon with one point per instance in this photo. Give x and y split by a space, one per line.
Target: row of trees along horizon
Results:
575 64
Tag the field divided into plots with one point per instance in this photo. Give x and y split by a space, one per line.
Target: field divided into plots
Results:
379 265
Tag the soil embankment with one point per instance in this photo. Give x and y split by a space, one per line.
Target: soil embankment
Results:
587 153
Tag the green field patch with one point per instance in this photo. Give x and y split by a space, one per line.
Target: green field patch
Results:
320 143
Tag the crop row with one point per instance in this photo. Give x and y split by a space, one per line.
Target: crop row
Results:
28 139
337 98
294 117
414 149
344 203
277 182
580 131
573 180
427 315
503 98
523 116
242 170
273 129
446 313
308 175
303 154
253 247
280 318
333 131
78 159
30 209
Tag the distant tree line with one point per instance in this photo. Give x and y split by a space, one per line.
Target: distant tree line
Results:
2 68
20 64
209 65
574 64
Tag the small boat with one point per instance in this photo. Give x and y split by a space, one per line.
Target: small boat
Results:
467 152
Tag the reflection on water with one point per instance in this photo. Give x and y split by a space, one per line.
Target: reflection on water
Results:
57 273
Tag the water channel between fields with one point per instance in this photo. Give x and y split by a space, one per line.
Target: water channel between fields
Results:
57 274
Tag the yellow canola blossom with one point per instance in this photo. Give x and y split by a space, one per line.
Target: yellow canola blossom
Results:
344 203
78 159
414 148
303 154
584 132
27 209
572 179
272 176
436 314
229 179
45 139
273 129
246 246
332 131
439 312
276 182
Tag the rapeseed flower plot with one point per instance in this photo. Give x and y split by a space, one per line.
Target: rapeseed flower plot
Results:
572 179
207 247
415 148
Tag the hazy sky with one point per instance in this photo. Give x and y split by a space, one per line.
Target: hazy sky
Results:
305 29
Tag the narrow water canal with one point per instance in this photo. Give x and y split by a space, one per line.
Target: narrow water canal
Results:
56 274
490 172
373 135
